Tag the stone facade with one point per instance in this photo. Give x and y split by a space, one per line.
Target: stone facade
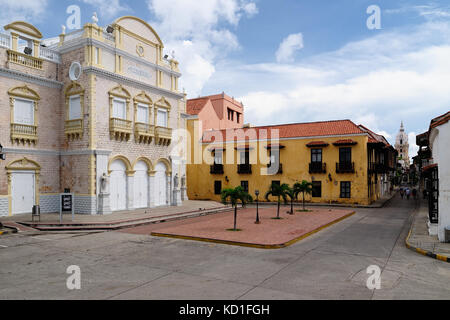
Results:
61 152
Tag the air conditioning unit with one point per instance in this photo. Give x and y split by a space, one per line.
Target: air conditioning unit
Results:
110 29
28 50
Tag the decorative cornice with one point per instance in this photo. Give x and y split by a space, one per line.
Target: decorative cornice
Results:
82 42
57 153
21 76
129 81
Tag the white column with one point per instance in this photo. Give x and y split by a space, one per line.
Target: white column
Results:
130 192
151 187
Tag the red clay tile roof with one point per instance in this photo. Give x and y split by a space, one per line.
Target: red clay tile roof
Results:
374 137
309 129
317 144
440 120
344 142
194 106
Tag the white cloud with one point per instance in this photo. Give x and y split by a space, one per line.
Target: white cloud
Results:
402 74
200 32
288 47
107 9
31 11
413 148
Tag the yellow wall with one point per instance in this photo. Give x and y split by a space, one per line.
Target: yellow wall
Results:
295 159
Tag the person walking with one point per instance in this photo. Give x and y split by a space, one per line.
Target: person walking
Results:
414 193
401 192
408 193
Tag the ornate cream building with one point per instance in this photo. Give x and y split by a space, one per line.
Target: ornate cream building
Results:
94 111
402 146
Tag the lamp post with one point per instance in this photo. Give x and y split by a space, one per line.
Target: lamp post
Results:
257 212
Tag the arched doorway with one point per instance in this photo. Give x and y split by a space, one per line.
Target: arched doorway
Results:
141 185
160 185
118 188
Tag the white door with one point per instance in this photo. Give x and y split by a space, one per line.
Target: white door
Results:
23 191
118 186
141 185
160 185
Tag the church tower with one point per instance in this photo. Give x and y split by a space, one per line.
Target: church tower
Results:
402 146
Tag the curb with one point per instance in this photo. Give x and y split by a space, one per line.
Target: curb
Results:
425 252
253 245
12 230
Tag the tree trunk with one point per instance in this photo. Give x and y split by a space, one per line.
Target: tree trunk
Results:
303 200
292 206
278 210
235 217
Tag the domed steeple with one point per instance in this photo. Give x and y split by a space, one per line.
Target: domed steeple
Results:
402 145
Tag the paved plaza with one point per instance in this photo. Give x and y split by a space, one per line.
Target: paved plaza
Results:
130 264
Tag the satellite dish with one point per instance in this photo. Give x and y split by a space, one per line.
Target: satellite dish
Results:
75 71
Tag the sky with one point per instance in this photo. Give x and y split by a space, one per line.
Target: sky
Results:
293 60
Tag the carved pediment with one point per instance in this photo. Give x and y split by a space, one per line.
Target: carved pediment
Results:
23 164
143 98
121 92
163 103
24 92
73 89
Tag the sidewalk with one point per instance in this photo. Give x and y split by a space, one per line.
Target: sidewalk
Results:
420 241
50 221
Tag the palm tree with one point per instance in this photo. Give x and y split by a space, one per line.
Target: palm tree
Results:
235 195
278 191
303 187
292 193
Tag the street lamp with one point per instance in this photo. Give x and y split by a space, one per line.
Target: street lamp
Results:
257 212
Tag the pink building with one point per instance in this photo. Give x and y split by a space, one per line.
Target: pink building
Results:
217 112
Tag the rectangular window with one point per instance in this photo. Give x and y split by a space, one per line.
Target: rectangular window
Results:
97 55
218 155
244 157
238 117
316 155
74 108
277 182
345 155
23 112
345 189
217 187
119 109
317 189
142 113
244 185
230 114
162 118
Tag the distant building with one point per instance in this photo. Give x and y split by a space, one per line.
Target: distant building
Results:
436 176
402 147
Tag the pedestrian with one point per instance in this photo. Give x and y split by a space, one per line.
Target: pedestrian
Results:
401 192
408 193
414 193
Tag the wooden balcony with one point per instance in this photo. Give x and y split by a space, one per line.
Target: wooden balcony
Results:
379 168
120 129
317 167
216 169
345 167
24 60
163 136
244 168
143 132
22 133
74 129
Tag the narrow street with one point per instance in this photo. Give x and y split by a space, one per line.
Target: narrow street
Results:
330 264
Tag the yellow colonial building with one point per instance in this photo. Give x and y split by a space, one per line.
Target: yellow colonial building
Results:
346 163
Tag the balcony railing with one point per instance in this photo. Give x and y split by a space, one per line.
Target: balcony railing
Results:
273 168
244 168
74 129
49 54
74 35
216 169
317 167
5 40
345 167
24 59
23 133
143 132
163 135
377 168
120 129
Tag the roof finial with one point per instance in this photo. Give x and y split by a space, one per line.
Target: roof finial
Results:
402 128
94 18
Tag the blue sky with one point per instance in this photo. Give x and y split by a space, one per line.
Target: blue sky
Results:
293 61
